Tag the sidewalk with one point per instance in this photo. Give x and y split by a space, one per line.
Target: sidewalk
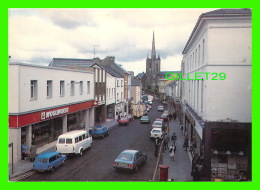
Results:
24 166
180 168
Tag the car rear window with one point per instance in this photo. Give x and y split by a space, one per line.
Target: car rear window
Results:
125 156
41 160
156 131
68 141
62 141
124 118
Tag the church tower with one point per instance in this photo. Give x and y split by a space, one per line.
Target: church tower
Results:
153 68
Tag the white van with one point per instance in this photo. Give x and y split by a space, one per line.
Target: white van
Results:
74 142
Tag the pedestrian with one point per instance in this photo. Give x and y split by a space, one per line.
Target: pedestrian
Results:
157 145
173 139
194 161
33 152
24 151
171 150
170 116
200 170
166 141
118 117
174 115
186 142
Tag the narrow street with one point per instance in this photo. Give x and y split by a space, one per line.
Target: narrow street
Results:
96 164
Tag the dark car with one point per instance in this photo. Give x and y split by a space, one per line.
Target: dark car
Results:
123 121
100 131
130 160
164 116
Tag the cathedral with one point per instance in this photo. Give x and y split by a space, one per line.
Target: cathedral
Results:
153 67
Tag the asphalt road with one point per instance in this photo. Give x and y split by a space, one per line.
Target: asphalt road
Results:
96 164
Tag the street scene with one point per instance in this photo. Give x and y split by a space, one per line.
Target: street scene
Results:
165 117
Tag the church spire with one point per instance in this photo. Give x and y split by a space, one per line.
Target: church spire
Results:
153 48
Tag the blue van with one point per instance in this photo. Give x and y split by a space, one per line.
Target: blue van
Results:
48 161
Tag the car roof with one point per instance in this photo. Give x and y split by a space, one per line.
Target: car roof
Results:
73 133
47 154
130 151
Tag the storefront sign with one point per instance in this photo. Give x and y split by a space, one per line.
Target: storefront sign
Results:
53 113
95 103
101 102
190 118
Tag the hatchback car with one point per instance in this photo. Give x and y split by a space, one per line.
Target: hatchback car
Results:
123 121
160 108
130 117
130 160
145 119
156 133
48 161
100 131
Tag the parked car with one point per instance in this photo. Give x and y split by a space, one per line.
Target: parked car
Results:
156 133
160 108
164 116
146 102
157 124
100 131
164 102
158 119
48 161
145 119
130 117
123 121
74 142
150 102
130 160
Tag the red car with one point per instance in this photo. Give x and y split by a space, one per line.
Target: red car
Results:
123 121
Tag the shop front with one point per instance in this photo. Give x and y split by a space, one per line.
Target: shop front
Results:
44 127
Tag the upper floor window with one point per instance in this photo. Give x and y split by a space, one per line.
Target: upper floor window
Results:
117 83
62 88
88 87
80 87
122 83
49 88
34 89
72 88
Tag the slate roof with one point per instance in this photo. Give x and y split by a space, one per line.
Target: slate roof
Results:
135 82
140 75
66 62
110 70
218 13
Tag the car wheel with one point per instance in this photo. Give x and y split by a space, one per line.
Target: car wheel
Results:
81 152
52 169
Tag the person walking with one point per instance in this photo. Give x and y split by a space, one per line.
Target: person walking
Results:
33 152
166 141
171 150
157 145
186 142
174 115
24 151
173 139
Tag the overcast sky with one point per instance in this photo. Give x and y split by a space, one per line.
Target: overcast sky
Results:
38 35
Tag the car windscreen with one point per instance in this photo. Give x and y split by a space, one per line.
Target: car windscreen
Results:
156 131
125 157
124 118
158 123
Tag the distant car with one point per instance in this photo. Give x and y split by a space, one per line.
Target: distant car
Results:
157 124
164 117
158 119
130 117
156 133
49 161
99 131
146 101
145 119
160 108
164 102
123 121
150 102
130 160
166 112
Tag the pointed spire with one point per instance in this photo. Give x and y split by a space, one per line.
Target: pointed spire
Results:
153 55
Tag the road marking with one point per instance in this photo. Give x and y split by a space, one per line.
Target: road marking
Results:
22 176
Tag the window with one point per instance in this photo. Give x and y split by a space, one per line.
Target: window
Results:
122 82
117 96
80 87
62 88
72 88
34 89
121 95
117 83
88 87
49 89
201 106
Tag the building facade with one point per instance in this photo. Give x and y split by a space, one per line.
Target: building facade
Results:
45 102
216 108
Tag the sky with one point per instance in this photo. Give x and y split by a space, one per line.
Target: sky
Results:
37 36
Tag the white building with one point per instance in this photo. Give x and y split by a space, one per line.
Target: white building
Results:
217 113
45 102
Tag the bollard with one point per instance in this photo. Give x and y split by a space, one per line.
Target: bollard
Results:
163 172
